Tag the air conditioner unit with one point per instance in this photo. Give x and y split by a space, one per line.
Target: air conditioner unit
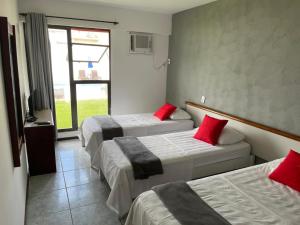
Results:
140 43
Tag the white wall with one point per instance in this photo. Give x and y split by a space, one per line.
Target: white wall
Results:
136 85
13 181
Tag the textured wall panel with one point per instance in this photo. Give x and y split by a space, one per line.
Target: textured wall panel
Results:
243 55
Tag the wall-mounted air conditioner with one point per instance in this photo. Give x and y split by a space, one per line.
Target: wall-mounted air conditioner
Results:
140 43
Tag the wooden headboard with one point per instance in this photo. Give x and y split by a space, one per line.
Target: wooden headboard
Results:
266 142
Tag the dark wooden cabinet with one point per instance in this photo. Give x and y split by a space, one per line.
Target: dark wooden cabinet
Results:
40 142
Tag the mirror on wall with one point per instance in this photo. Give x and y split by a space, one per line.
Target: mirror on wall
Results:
11 85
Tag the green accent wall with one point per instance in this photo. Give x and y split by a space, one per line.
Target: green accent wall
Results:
243 56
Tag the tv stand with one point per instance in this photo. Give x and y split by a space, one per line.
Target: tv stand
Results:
40 142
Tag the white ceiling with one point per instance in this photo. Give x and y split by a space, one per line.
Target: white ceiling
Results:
159 6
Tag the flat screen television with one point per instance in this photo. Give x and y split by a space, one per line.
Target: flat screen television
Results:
31 104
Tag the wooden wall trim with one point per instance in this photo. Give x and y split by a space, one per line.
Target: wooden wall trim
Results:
245 121
10 77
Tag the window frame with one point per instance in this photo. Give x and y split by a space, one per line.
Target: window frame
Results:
74 82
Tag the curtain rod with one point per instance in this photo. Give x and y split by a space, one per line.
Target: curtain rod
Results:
70 18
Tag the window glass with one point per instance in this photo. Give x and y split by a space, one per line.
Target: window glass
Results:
92 99
93 37
88 53
61 77
92 69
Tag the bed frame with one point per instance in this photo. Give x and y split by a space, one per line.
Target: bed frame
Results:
266 142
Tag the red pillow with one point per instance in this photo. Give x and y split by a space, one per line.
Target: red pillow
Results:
210 130
288 171
165 111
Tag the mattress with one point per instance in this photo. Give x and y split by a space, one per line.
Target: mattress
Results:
180 155
245 196
137 125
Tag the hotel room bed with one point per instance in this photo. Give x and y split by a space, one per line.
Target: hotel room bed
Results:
136 125
245 196
182 158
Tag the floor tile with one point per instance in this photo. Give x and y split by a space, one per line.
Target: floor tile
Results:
57 157
75 163
58 166
43 184
71 154
59 218
87 194
68 144
41 205
49 201
94 214
81 176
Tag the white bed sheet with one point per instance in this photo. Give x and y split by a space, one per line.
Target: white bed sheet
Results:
242 197
137 125
179 153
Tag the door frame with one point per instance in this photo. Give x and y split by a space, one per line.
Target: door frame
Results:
73 82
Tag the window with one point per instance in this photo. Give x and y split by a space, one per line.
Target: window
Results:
81 74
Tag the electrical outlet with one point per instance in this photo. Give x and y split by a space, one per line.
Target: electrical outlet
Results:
169 61
203 99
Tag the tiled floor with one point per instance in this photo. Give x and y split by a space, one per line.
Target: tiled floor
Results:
72 196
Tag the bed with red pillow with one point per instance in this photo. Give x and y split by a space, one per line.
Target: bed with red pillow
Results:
136 125
183 157
262 194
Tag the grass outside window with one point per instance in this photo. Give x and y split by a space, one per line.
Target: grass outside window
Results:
85 108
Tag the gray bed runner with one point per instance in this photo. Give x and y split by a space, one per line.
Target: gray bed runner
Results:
186 206
143 161
110 128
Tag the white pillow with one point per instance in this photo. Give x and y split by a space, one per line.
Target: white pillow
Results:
180 114
230 136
